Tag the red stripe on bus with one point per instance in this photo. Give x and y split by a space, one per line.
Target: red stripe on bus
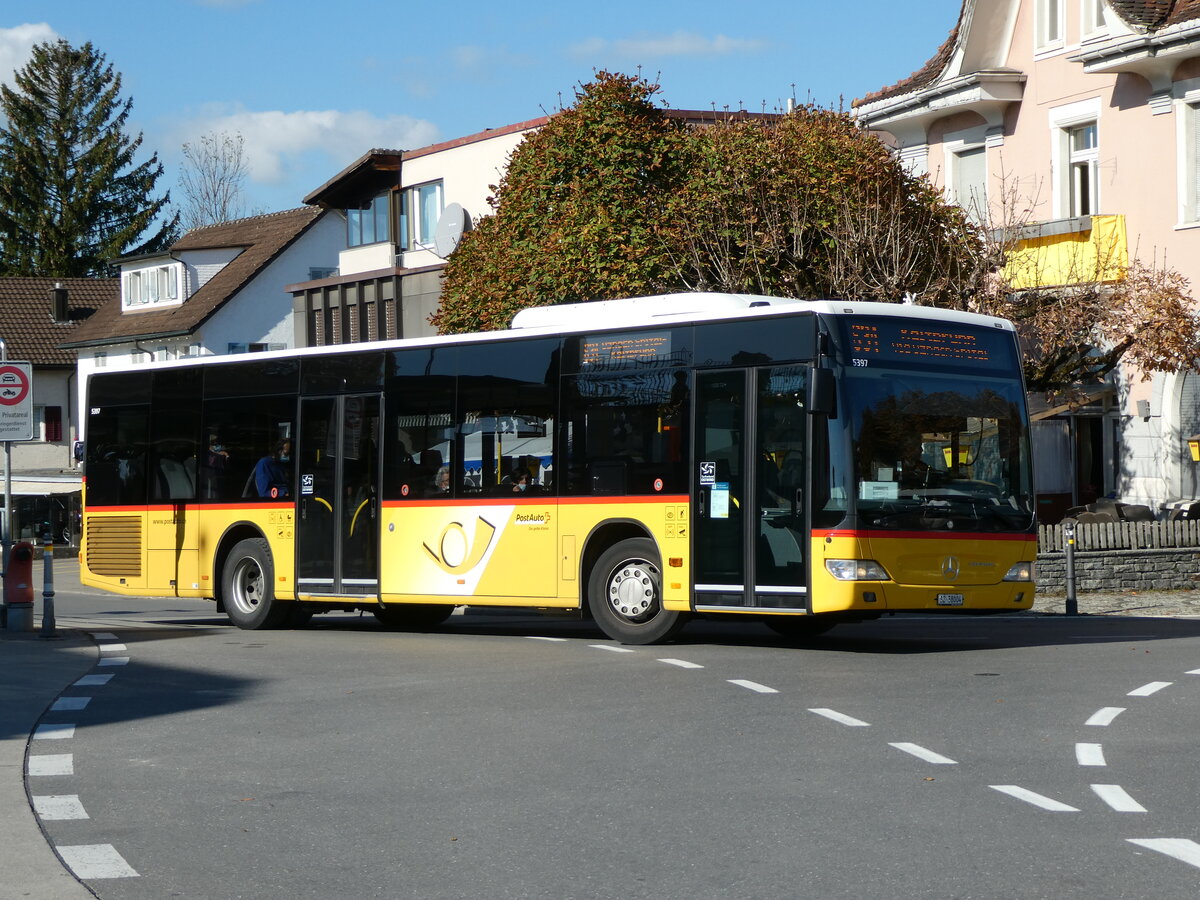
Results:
534 501
924 535
167 507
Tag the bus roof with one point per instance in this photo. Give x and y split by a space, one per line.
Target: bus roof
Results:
632 312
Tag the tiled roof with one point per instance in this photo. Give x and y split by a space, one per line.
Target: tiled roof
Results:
924 76
1154 14
27 322
263 237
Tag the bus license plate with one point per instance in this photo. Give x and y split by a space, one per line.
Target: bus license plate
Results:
949 599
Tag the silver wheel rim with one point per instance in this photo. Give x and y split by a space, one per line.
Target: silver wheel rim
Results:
632 590
247 586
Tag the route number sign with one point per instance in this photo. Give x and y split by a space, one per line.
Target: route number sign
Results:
16 402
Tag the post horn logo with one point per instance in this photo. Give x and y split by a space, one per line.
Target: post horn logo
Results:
950 567
456 553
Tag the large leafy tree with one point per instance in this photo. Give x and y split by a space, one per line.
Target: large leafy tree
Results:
72 195
577 214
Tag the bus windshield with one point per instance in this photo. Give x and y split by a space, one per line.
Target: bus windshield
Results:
938 451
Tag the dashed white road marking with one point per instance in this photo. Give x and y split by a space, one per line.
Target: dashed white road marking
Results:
51 764
840 717
1192 672
1039 800
1181 849
59 807
1105 716
611 648
1090 754
70 704
753 686
1118 798
1147 689
539 637
113 661
104 636
89 861
112 648
54 731
921 753
93 680
682 663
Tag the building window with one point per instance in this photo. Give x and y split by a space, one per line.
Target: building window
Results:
1049 24
1084 162
138 356
368 224
51 419
100 360
1092 17
969 181
146 287
420 210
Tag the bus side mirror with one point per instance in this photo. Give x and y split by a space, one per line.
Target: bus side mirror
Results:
821 396
77 451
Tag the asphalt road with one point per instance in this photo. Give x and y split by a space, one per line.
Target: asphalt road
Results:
520 757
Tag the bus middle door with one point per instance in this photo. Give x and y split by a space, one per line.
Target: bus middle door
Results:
337 521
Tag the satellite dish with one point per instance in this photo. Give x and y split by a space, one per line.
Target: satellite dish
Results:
449 231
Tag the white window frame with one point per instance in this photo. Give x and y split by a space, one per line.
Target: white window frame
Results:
953 146
1084 166
1049 23
100 359
1187 156
151 286
1092 19
1061 121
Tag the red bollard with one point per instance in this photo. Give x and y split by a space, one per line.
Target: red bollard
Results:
18 587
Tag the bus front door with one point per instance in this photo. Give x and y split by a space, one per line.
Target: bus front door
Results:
337 518
750 524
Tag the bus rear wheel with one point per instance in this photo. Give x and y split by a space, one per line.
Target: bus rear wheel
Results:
248 587
625 595
413 615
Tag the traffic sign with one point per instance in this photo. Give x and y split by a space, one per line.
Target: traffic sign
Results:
16 401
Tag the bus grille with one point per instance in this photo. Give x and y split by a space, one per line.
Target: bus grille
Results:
114 546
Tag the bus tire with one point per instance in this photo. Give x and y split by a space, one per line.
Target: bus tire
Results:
625 594
412 615
799 627
248 587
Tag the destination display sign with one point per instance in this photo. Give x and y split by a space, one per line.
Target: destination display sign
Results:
888 341
618 350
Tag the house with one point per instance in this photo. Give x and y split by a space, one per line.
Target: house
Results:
403 212
1083 116
218 289
37 315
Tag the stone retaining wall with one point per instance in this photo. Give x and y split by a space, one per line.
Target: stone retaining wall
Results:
1122 570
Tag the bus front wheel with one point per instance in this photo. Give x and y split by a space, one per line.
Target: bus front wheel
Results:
248 585
625 594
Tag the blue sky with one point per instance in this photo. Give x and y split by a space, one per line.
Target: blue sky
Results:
311 86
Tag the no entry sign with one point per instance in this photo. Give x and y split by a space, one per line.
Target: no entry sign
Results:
16 402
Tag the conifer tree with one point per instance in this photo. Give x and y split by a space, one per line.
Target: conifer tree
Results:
72 196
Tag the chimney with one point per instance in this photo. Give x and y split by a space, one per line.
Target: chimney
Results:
58 303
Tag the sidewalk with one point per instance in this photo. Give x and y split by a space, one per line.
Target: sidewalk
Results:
33 672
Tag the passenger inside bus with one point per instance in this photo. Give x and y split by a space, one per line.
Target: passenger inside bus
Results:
271 474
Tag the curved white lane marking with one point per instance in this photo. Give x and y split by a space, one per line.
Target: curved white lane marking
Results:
928 755
1090 754
753 686
93 680
840 717
70 704
1118 798
51 764
1152 688
1181 849
114 661
1105 716
58 807
54 731
1039 800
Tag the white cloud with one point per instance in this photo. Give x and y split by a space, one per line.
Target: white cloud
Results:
275 140
681 43
16 44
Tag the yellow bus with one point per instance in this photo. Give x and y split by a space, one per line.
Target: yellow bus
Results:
638 461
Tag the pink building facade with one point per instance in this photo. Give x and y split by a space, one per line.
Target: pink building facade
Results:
1076 116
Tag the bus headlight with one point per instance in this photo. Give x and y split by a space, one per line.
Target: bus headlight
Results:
1022 571
856 570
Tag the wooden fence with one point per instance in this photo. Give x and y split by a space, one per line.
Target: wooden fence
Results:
1094 536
